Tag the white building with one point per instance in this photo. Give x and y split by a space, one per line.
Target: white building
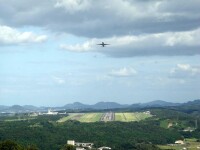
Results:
147 112
179 142
50 112
71 142
80 145
86 145
79 148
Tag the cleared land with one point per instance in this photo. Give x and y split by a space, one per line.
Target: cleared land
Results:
90 117
108 116
127 117
72 116
142 116
82 117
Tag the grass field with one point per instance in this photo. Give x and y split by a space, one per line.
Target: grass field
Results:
95 117
141 116
82 117
119 117
72 116
90 117
127 117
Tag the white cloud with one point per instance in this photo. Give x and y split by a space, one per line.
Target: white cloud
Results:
123 72
185 70
73 5
184 67
162 29
9 35
102 18
85 47
59 80
168 43
184 38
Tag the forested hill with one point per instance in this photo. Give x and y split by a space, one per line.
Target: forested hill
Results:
46 134
192 105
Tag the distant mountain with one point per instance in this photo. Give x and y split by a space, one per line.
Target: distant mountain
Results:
76 105
99 105
156 103
2 107
159 103
21 109
193 106
107 105
137 105
30 107
192 103
190 107
16 108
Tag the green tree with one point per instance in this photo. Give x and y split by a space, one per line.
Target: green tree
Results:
32 147
10 145
68 147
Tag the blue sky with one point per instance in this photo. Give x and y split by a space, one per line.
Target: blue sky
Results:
49 56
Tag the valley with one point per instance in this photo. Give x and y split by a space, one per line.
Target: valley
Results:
146 128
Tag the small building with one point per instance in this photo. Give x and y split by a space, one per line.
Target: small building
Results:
71 142
188 129
179 142
170 125
51 112
80 148
147 112
86 145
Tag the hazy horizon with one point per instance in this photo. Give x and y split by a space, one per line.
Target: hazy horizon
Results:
61 105
49 54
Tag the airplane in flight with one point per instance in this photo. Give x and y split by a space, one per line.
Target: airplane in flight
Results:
103 44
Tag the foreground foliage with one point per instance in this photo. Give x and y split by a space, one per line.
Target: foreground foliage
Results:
11 145
48 134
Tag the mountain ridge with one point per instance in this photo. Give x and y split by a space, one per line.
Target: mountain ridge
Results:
99 106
